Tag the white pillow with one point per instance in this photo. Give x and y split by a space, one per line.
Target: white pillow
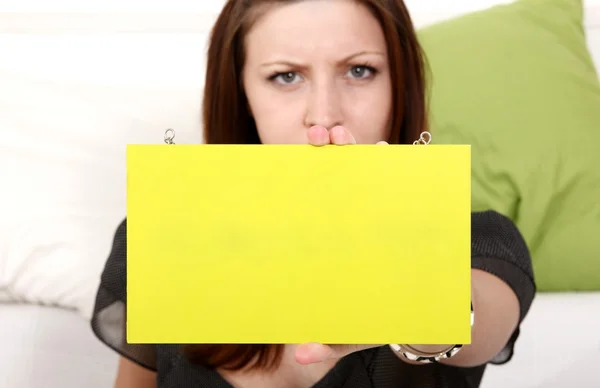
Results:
62 168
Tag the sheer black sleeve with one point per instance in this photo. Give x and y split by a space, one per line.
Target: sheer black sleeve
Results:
109 315
497 247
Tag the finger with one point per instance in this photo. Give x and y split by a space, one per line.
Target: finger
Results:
341 136
318 136
311 353
382 143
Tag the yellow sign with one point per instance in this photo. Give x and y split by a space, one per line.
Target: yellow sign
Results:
361 244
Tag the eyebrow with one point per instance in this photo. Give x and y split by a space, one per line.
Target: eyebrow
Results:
346 59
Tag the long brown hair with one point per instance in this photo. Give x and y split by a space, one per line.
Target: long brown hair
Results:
227 119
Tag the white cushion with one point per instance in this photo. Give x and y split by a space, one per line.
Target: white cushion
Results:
48 347
51 347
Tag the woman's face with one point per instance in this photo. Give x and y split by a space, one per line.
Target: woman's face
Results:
318 62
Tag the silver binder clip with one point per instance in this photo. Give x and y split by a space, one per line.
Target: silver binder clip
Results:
170 136
424 139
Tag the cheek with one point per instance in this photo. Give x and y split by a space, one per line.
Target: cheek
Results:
278 120
369 115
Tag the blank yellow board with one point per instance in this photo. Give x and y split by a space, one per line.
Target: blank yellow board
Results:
359 244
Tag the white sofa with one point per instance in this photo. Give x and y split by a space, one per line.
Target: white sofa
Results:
60 70
50 347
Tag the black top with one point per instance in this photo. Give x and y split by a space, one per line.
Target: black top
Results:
497 247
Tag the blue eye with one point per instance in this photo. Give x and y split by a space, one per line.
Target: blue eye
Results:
361 72
285 78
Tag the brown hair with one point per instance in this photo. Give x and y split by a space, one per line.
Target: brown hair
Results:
227 119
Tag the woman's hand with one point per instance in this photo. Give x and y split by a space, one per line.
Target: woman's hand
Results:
312 352
319 136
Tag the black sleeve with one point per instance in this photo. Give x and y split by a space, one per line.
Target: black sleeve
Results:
109 318
498 248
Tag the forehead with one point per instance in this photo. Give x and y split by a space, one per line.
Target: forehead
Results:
314 28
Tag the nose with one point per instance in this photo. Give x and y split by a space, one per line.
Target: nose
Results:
323 106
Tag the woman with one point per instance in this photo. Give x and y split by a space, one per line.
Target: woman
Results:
324 72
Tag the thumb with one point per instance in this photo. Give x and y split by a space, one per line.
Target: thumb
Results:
318 136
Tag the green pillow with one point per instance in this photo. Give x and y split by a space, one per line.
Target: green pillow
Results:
517 83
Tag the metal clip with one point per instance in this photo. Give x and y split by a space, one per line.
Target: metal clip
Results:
424 139
170 136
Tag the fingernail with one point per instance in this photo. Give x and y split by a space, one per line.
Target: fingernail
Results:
338 134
